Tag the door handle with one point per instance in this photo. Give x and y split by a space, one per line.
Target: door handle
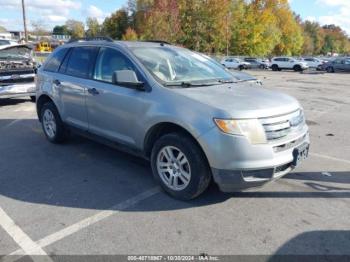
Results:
93 91
56 82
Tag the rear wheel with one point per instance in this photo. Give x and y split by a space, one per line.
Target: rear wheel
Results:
330 69
241 67
275 68
179 166
52 124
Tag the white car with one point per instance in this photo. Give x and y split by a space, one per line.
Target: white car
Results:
279 63
313 62
235 63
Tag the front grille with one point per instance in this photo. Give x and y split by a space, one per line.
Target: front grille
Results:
281 126
17 81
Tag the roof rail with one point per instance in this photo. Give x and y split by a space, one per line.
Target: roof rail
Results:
157 41
95 38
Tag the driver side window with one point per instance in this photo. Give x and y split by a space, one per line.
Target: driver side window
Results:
108 61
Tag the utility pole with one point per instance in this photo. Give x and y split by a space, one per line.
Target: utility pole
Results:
24 21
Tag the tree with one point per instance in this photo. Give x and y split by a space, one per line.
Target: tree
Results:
2 29
291 41
94 28
162 21
130 35
116 25
60 30
76 28
313 38
39 28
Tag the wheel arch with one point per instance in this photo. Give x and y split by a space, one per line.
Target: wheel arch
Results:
42 100
163 128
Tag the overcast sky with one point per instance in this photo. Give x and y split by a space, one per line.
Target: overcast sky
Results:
53 12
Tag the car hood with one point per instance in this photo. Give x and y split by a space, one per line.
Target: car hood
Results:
242 100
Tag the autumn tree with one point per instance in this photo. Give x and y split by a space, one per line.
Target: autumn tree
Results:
162 21
115 25
130 35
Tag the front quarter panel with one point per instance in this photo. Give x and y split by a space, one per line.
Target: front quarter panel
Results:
168 106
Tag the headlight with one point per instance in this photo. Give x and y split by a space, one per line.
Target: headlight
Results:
250 128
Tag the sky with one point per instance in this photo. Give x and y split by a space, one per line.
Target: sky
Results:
56 12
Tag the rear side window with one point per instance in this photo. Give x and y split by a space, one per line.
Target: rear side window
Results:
108 61
55 61
81 61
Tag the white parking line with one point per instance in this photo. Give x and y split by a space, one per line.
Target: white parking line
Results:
50 239
22 239
12 123
331 158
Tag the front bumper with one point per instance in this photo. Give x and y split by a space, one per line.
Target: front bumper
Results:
236 164
17 90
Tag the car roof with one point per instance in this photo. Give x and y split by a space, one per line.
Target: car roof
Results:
128 44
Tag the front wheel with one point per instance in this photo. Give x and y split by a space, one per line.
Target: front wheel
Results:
180 166
297 68
275 68
52 124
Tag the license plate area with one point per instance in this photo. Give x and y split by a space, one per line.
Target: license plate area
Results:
300 154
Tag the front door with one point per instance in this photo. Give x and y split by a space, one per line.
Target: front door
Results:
114 111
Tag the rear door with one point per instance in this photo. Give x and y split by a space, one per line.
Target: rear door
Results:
75 75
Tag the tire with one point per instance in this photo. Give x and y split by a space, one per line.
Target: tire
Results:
261 66
297 68
275 68
52 124
241 68
33 99
198 174
330 69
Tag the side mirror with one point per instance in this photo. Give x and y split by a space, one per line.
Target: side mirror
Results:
127 78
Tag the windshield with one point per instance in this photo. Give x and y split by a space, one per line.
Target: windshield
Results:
175 66
15 53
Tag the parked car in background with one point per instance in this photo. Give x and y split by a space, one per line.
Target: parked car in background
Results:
7 42
188 115
235 63
290 63
337 65
257 63
17 71
313 62
239 75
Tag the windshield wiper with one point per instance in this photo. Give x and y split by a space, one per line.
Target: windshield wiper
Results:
227 81
189 84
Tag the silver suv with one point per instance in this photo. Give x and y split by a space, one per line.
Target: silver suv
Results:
181 110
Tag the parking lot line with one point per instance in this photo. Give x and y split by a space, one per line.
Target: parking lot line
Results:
13 122
22 239
50 239
331 158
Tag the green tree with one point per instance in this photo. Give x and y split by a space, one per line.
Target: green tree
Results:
60 30
2 29
76 28
94 28
116 25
